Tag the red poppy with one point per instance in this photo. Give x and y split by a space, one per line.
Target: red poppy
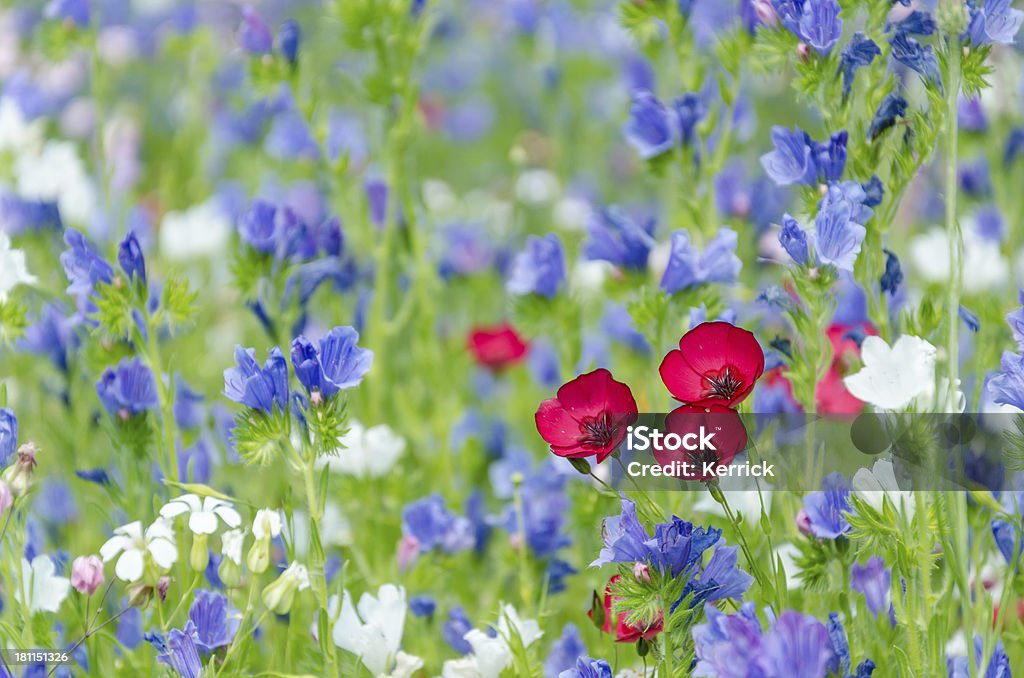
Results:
721 425
831 396
625 633
715 364
588 416
496 347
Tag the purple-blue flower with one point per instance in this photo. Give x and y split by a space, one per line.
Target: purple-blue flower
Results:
539 269
564 652
975 178
131 259
837 232
998 664
819 25
917 22
453 630
893 274
1007 387
127 389
214 626
909 52
377 199
422 606
18 214
793 239
1008 539
720 579
652 128
432 525
893 106
545 507
798 645
728 645
8 435
689 110
259 388
825 509
588 668
254 34
76 12
289 37
625 539
790 162
687 268
85 268
179 652
338 364
995 21
617 238
860 52
873 579
290 138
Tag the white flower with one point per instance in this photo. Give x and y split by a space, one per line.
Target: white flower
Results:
587 277
405 666
13 271
372 630
266 524
58 174
40 588
133 545
365 452
986 267
880 482
893 378
231 543
490 656
17 135
528 630
463 667
537 186
202 513
202 230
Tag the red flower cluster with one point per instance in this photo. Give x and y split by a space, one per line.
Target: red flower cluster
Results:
713 370
496 347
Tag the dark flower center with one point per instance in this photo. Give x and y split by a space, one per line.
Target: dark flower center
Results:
597 431
723 385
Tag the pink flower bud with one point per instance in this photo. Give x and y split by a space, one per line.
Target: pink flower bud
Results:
87 574
162 585
6 497
803 51
803 521
408 552
641 572
765 12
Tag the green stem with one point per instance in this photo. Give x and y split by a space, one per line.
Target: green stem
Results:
316 562
525 576
953 232
167 424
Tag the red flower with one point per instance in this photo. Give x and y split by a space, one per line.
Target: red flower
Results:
727 433
831 396
715 364
588 416
496 347
625 633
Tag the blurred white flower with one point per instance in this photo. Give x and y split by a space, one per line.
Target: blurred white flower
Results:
13 271
231 543
202 230
134 545
571 213
266 524
537 186
587 277
17 135
39 586
510 624
893 377
365 452
372 630
58 174
405 666
491 656
880 482
202 513
983 264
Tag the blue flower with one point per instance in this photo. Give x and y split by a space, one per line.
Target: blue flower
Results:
188 405
971 115
288 38
564 652
18 215
998 664
84 268
893 274
893 106
651 128
840 663
129 256
909 52
873 579
337 365
290 138
52 335
1007 387
422 606
254 34
837 236
625 539
127 389
720 579
455 628
539 269
1015 319
179 652
432 525
214 626
975 178
8 435
1008 540
874 191
545 507
798 645
377 199
793 239
917 23
820 25
830 157
686 268
588 668
678 546
618 325
1014 145
467 249
728 645
618 239
689 110
989 223
860 52
995 21
262 389
76 12
791 161
970 319
825 509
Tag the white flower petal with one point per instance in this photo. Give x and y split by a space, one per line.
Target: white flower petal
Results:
130 566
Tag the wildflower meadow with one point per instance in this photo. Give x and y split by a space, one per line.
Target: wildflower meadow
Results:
512 338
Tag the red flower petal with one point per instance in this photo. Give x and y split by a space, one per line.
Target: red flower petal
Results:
716 363
729 436
496 347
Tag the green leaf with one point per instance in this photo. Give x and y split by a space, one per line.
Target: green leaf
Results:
115 304
13 321
177 303
259 437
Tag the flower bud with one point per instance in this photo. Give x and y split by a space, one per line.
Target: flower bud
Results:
199 556
87 574
258 558
278 596
6 498
162 585
19 474
803 521
408 552
641 572
288 39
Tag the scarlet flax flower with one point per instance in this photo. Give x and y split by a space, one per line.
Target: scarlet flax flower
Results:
496 347
587 417
716 364
728 437
625 633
